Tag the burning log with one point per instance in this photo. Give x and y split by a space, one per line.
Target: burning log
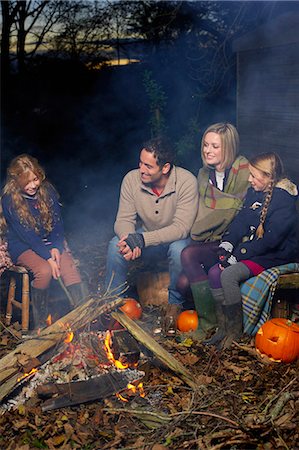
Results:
101 387
125 348
12 365
150 343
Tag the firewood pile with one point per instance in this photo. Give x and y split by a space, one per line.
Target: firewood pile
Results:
192 396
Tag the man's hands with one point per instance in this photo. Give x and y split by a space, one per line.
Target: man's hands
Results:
130 246
54 262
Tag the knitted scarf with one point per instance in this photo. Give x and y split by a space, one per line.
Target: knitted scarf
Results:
218 208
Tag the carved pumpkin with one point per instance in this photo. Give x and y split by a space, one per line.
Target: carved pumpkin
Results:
132 308
279 340
187 321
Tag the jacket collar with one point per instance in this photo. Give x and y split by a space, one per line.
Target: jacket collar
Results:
288 186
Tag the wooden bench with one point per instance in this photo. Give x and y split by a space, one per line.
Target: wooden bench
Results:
286 294
152 288
288 281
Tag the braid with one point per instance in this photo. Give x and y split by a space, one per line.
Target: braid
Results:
260 229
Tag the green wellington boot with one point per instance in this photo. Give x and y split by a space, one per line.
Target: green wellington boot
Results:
234 324
220 334
205 307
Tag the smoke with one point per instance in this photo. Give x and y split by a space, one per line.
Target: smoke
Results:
87 132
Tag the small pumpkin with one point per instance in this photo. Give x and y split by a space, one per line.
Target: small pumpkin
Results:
279 340
132 308
187 321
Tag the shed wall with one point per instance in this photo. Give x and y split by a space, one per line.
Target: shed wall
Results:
268 103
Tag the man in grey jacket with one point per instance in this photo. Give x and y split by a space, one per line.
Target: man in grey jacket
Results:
163 200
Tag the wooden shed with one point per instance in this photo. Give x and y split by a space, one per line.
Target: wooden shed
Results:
268 90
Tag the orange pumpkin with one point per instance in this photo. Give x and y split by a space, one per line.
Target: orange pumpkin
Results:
132 308
187 321
279 340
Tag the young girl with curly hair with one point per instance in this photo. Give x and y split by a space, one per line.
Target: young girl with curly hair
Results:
31 220
262 235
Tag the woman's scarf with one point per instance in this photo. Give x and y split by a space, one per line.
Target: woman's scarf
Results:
218 208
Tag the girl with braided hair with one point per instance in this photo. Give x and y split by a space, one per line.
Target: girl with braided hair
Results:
31 220
261 236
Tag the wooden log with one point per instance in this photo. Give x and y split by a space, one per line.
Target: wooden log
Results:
152 288
150 343
124 347
11 365
70 394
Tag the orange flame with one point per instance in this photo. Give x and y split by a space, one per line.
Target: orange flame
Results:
120 397
110 356
132 389
25 375
141 390
69 337
70 334
138 388
49 320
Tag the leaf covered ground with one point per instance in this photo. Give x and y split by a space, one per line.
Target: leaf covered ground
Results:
241 401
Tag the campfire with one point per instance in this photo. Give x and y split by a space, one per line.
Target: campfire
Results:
90 366
78 365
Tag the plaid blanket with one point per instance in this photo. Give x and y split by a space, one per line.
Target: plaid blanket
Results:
257 294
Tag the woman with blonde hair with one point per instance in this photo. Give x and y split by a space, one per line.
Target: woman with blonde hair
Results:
262 235
31 220
223 183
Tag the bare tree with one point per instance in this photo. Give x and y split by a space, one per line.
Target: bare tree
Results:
82 26
9 12
26 25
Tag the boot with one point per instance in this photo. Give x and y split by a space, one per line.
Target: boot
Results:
77 293
39 303
220 334
234 324
205 307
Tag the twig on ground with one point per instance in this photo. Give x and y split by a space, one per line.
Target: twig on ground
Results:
168 418
267 407
9 331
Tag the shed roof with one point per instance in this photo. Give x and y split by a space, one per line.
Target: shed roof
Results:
280 31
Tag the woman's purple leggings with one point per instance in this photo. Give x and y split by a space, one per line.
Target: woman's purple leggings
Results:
197 259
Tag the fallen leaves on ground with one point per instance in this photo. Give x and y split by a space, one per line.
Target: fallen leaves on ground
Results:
240 403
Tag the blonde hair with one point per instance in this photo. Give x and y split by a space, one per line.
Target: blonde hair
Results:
18 173
229 143
270 165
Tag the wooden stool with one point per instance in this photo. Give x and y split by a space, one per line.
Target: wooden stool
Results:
23 305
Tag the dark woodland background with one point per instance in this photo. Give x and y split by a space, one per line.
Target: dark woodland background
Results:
85 120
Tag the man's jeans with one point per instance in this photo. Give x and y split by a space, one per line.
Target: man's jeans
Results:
117 266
